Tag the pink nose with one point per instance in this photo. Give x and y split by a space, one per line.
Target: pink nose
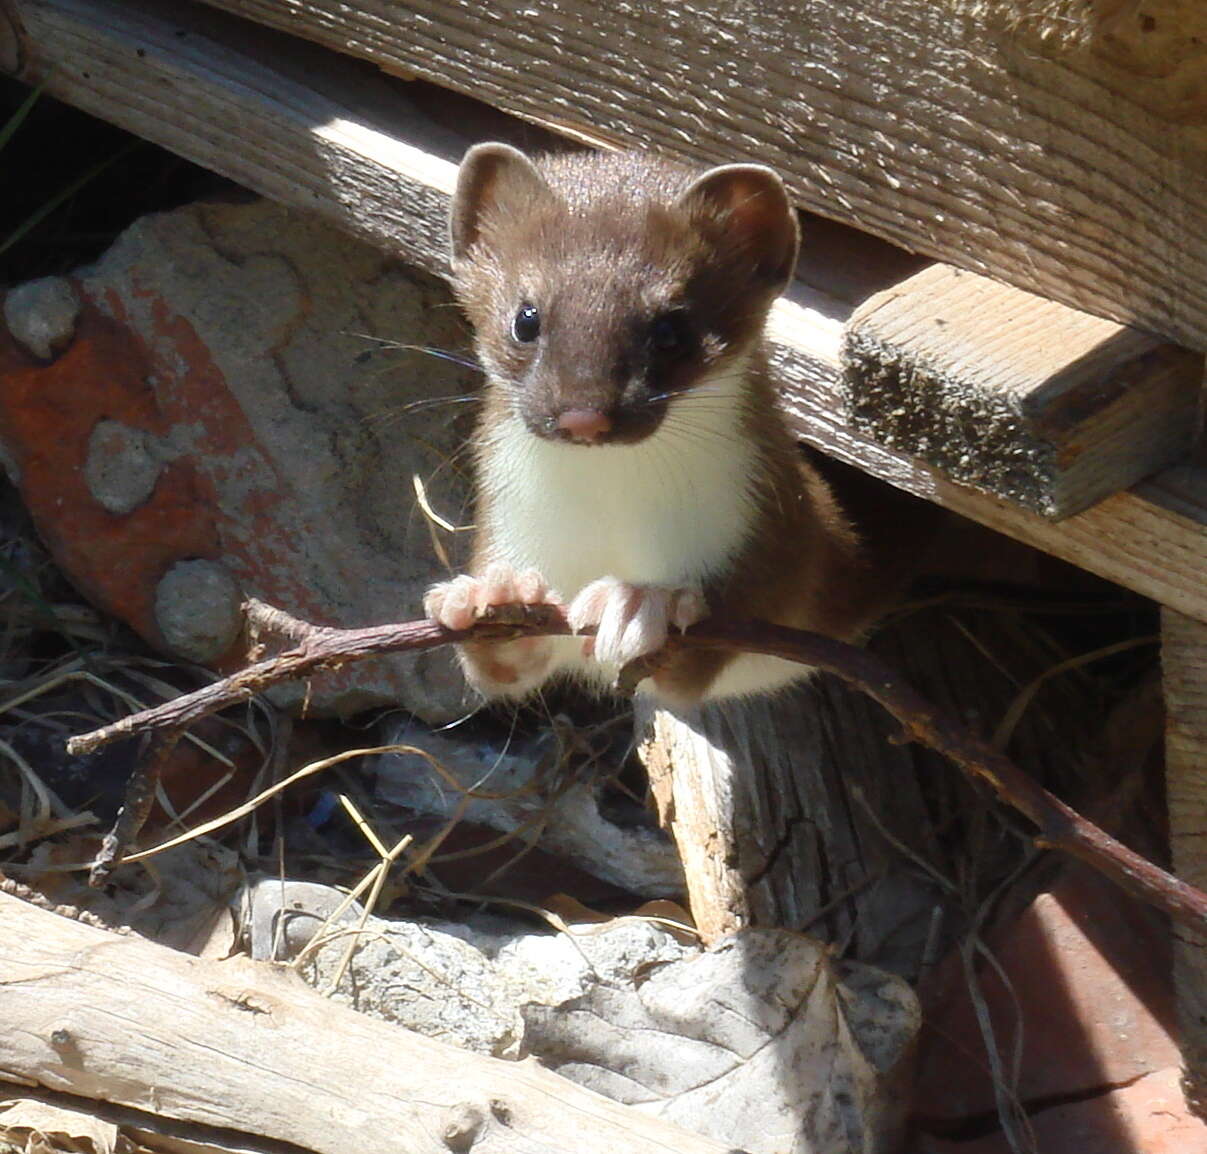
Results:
587 425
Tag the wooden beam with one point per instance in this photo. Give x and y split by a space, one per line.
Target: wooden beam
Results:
1184 668
1023 397
1075 172
345 142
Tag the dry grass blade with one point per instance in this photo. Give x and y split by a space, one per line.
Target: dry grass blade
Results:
379 873
72 672
233 815
1008 724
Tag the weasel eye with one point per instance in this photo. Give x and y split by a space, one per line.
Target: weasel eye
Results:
668 333
526 324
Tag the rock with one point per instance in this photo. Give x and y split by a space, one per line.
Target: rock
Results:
230 396
41 316
565 820
412 973
185 904
197 609
447 980
763 1041
122 466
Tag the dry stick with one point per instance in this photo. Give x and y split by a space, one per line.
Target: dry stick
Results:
1060 827
140 794
320 649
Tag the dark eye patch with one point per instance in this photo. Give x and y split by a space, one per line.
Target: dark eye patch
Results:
670 333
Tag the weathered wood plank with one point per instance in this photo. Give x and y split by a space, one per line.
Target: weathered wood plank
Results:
1077 175
800 810
1023 397
349 146
1184 668
254 1052
1151 538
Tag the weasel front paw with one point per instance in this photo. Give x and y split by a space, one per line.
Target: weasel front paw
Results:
633 620
496 668
458 603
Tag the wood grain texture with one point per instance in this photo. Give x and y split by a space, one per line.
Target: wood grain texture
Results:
347 145
1151 538
1020 396
257 107
1078 176
762 798
805 810
1184 669
241 1046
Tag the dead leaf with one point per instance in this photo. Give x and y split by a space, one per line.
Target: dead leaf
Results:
42 1128
763 1042
573 912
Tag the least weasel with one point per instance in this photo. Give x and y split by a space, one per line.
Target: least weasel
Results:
631 459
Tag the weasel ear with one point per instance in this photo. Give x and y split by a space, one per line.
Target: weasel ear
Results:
753 206
491 176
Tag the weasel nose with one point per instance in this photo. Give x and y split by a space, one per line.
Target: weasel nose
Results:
587 425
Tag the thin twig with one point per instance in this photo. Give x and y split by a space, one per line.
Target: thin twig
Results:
319 648
136 805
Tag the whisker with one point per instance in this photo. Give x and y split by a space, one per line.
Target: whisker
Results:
388 418
709 390
439 354
401 346
434 402
669 395
701 410
701 434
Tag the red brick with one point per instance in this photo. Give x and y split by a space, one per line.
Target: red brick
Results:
1090 968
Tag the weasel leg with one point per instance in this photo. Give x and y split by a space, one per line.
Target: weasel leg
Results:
495 668
633 620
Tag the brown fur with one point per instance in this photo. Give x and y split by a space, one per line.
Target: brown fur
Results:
804 564
607 241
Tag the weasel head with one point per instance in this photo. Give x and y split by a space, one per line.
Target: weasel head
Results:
604 288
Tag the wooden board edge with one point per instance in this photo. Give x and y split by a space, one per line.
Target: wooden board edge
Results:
1058 411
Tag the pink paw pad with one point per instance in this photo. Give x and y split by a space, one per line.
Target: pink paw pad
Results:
633 620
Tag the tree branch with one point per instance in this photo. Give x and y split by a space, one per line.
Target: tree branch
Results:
319 648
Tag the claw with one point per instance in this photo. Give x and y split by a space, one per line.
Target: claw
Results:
497 668
687 607
458 603
632 620
451 603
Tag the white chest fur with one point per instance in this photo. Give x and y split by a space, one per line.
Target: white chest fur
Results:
670 510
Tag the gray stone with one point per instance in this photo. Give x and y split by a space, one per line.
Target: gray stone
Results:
412 973
197 605
122 466
41 315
